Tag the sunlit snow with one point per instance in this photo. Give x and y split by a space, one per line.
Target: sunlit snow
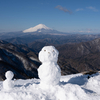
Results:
71 87
36 28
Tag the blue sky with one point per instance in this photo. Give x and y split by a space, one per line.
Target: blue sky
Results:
81 16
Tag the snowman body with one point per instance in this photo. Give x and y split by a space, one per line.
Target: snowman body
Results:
8 84
49 72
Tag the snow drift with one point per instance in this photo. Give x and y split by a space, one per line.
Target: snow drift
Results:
69 89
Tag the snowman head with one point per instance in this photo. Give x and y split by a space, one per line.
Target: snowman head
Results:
9 75
48 54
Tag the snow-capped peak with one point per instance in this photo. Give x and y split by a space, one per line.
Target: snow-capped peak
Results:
37 28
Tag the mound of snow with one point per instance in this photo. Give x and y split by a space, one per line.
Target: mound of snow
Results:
37 28
30 89
93 83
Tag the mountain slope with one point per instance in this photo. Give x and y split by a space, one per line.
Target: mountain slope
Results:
82 56
22 61
37 41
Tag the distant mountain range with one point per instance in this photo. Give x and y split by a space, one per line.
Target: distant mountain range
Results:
73 58
41 32
37 41
36 30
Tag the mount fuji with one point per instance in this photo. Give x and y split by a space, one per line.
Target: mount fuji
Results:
37 28
40 28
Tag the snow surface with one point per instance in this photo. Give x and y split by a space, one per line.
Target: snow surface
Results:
71 87
49 72
36 28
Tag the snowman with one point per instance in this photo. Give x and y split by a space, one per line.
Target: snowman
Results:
49 71
8 84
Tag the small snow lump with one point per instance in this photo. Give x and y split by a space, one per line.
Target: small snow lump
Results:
8 84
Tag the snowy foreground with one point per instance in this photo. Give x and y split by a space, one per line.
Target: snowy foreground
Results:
51 85
71 87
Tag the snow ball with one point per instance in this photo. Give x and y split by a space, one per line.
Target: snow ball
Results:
9 75
48 53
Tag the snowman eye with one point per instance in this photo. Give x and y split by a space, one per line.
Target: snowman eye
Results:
53 51
45 50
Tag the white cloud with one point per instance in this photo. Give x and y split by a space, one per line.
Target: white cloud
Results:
63 9
92 8
86 30
79 9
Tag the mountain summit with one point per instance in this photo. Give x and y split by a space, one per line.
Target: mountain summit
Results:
37 28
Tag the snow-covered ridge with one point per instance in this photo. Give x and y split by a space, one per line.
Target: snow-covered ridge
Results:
72 87
37 28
